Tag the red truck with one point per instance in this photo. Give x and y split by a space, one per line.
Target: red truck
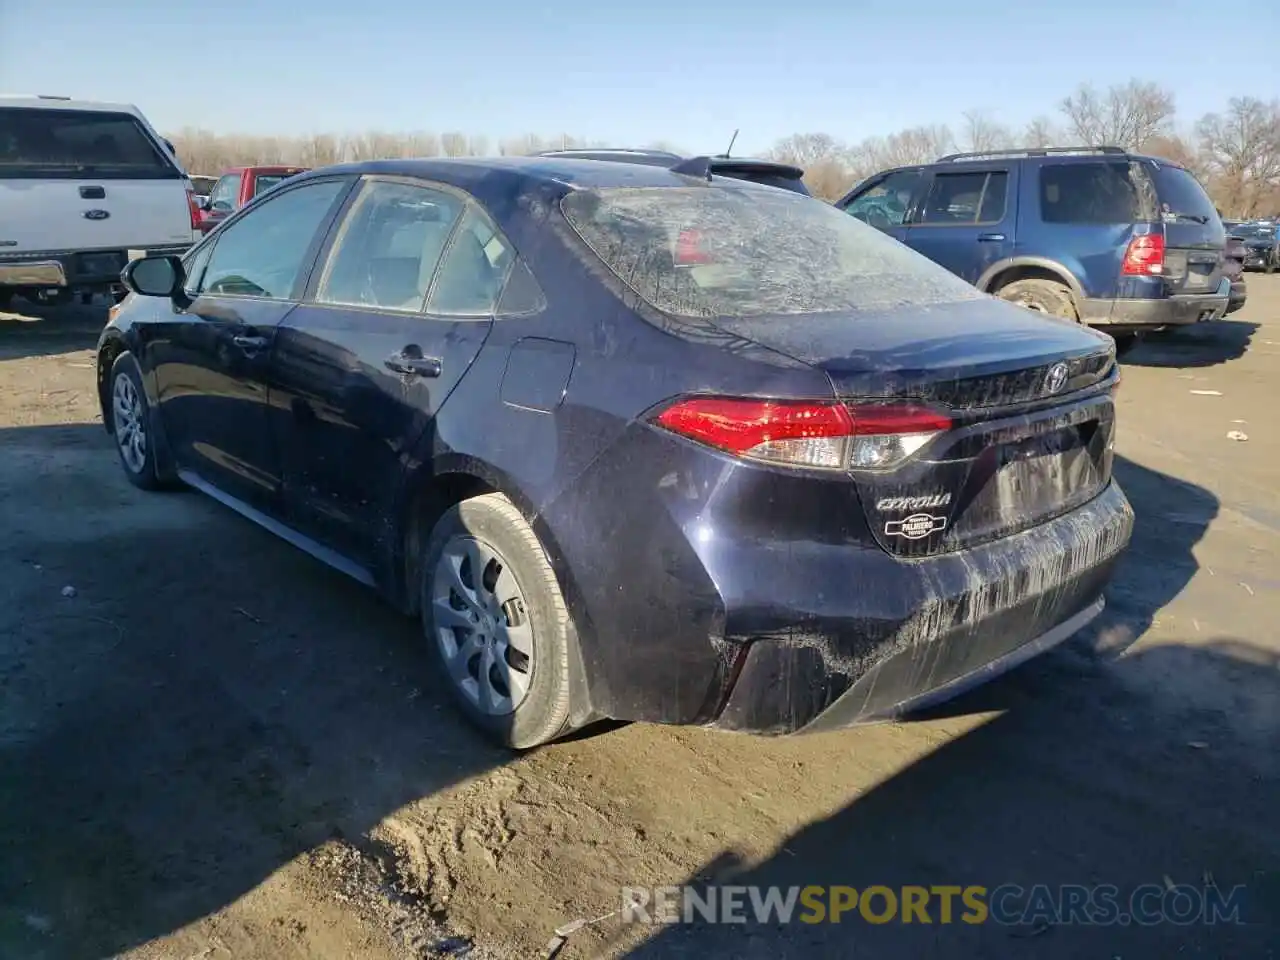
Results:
236 187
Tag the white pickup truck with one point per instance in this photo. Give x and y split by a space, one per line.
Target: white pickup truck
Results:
84 186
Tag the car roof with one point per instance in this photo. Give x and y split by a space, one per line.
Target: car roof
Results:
464 172
42 101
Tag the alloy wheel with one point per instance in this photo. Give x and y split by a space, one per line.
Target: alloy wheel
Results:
129 419
482 626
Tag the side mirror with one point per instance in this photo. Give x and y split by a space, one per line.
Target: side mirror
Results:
202 203
155 277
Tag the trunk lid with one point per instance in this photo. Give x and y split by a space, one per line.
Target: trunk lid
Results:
68 215
1032 417
1193 234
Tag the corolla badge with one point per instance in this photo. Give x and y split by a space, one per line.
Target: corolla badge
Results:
928 502
1056 378
915 527
96 214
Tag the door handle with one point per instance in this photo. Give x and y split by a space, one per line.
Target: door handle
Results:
991 237
249 343
414 365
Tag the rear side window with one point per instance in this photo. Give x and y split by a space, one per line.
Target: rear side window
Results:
965 198
716 250
474 269
1095 192
74 144
265 181
1181 194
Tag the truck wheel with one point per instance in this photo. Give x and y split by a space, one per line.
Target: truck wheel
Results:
496 621
1042 296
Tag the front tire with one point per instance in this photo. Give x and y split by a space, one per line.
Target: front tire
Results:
131 425
1042 296
496 622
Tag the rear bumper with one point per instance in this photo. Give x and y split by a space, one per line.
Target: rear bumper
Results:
73 268
831 644
1154 313
1239 293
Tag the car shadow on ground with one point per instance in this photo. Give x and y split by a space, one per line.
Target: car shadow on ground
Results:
1151 767
209 705
1200 345
31 330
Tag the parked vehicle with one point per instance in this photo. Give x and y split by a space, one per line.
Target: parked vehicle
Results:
81 185
236 187
202 185
632 443
1111 239
1262 246
768 172
1233 258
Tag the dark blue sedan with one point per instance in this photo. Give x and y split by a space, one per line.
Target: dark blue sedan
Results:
633 443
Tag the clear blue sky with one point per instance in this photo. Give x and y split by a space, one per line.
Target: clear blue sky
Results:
685 71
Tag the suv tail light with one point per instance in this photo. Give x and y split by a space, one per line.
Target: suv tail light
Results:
1144 257
822 435
193 208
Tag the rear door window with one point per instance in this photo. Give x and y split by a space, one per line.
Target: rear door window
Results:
740 251
389 247
1097 192
965 198
78 144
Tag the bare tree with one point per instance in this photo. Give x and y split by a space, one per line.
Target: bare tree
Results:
981 134
913 145
1129 115
1242 150
1234 153
1040 134
806 149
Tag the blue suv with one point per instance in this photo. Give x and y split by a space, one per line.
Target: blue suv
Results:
1116 240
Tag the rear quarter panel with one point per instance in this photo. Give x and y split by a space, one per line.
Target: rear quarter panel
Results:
1092 253
580 472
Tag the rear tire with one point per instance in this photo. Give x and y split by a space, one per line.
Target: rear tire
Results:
1042 296
496 622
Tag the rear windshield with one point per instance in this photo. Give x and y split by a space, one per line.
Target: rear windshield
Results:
265 181
1180 193
716 250
73 144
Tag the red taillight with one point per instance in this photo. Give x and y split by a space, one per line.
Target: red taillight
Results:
817 434
1144 257
194 208
690 249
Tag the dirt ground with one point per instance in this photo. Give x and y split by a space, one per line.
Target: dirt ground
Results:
219 748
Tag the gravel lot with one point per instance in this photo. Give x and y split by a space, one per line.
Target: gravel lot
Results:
219 748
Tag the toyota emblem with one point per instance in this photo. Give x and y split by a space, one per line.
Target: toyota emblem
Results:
1056 378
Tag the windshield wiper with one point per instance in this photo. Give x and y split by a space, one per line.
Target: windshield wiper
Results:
1193 217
